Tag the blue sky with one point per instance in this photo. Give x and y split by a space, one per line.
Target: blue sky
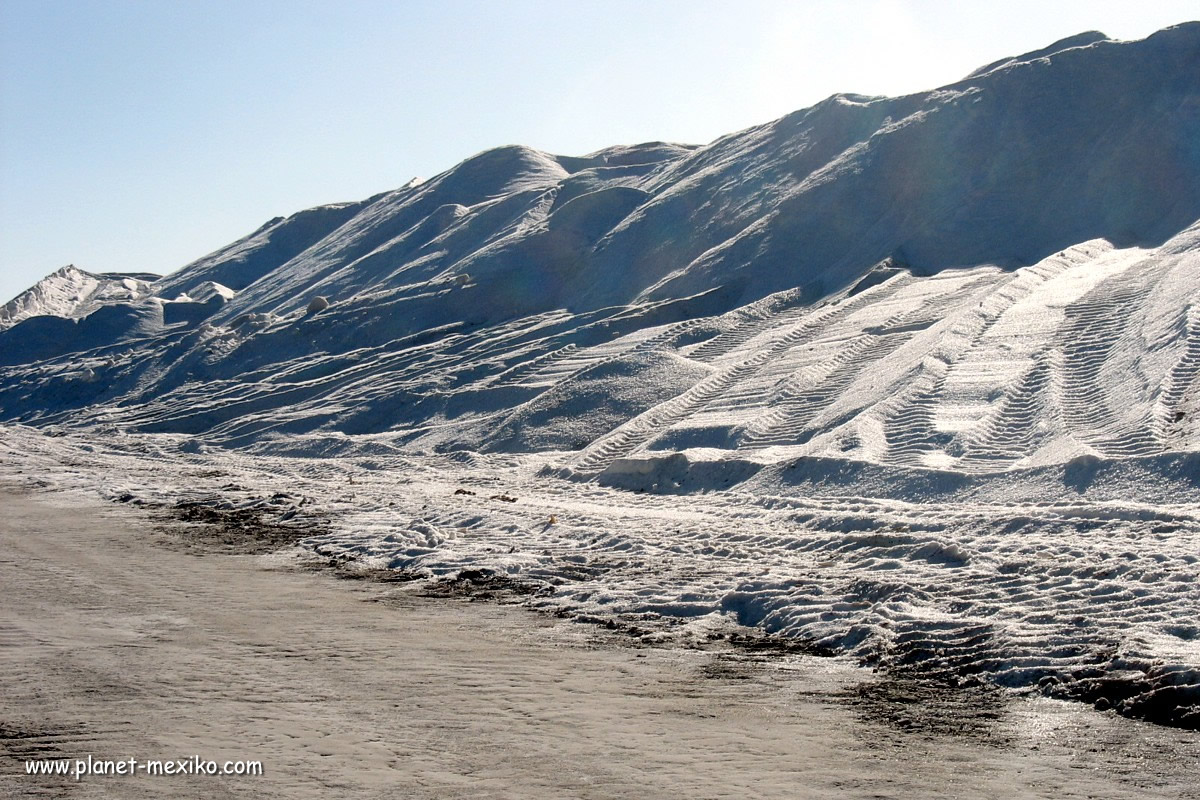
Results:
139 135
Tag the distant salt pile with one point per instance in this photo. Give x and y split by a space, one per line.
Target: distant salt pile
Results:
72 293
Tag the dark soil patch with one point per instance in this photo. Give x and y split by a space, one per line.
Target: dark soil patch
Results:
1154 699
741 654
757 642
484 584
232 532
342 571
906 705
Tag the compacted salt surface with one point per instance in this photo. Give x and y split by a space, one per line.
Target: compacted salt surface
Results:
117 643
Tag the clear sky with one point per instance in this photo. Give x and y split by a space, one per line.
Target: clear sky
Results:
138 135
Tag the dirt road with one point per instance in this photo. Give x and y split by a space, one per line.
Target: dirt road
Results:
116 644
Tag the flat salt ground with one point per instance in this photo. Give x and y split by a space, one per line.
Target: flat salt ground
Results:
114 646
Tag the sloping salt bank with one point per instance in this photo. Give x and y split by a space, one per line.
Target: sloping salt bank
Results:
974 383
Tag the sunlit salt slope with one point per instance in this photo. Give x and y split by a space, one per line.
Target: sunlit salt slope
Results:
984 287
